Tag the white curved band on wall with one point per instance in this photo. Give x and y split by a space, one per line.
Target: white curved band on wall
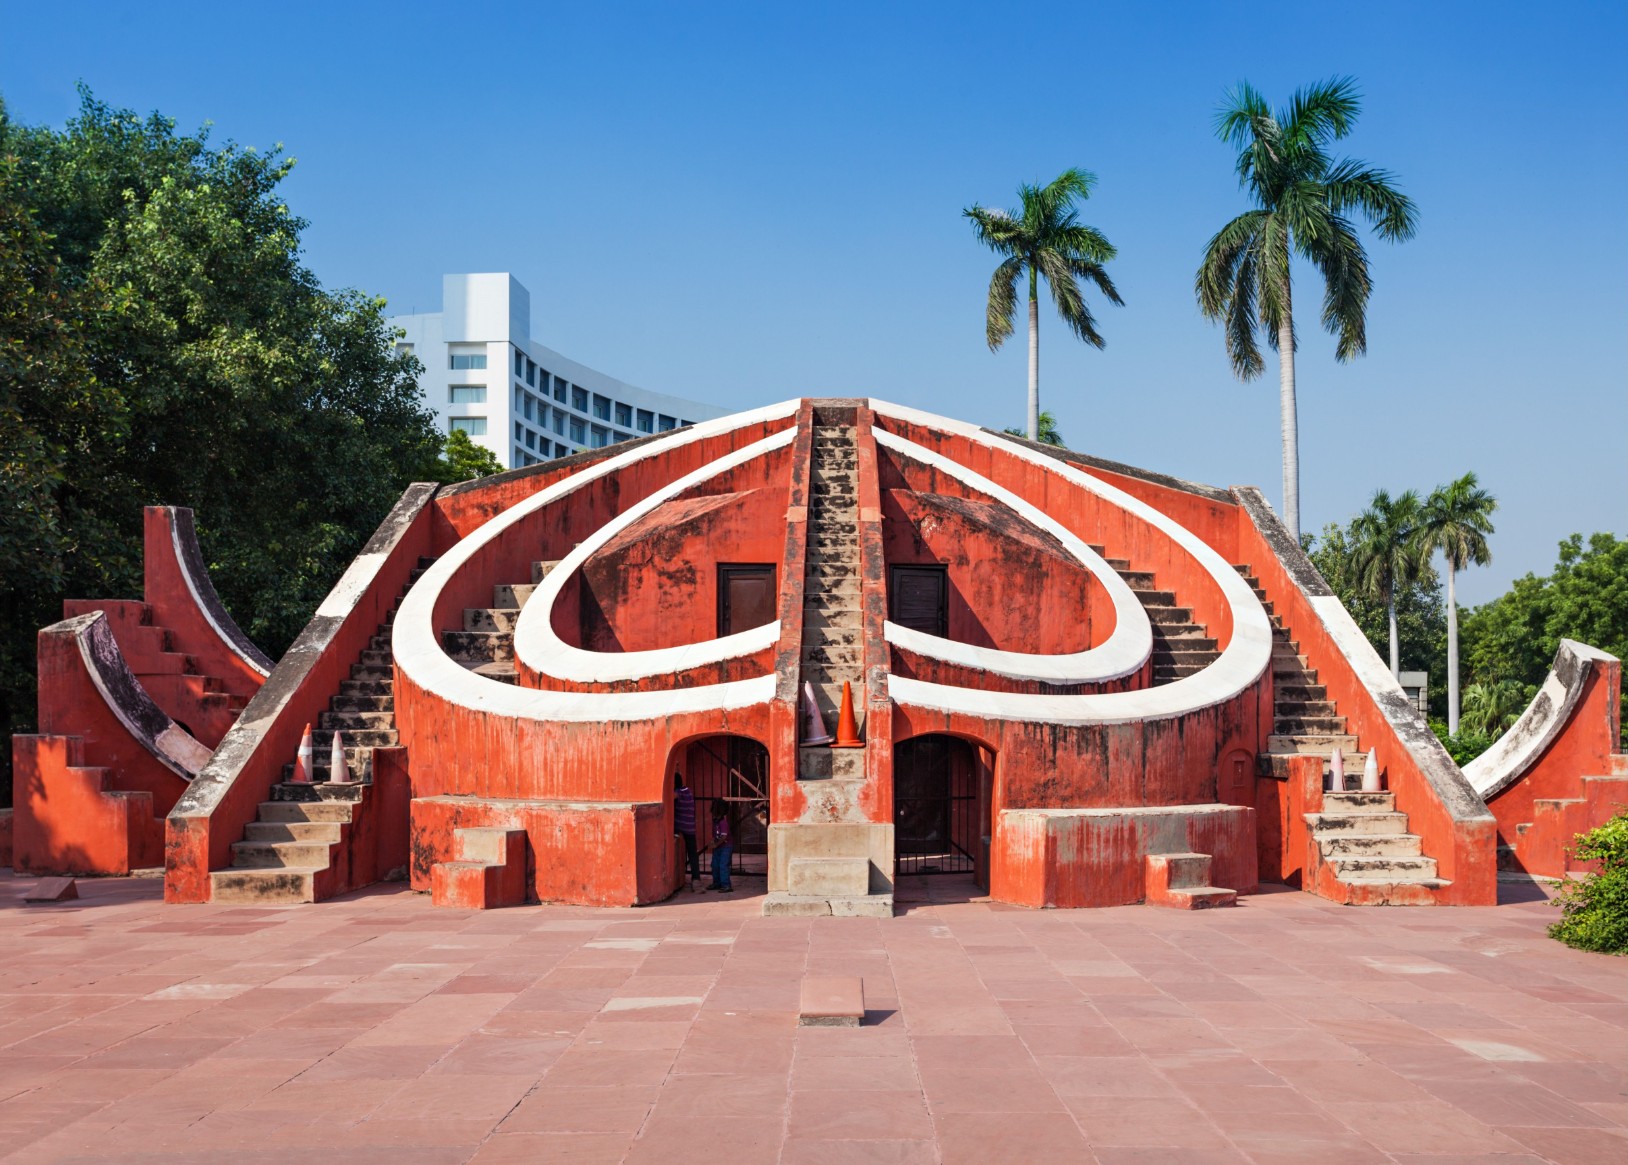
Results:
1241 664
207 606
539 647
417 646
1529 737
1125 650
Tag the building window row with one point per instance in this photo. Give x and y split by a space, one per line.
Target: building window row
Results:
464 362
474 426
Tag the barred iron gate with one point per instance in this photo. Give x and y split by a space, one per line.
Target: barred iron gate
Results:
935 806
734 769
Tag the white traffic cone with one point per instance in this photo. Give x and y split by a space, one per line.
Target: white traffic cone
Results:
1336 771
303 774
1370 774
814 732
336 761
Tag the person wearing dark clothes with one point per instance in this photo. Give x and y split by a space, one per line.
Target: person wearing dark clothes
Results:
721 847
684 826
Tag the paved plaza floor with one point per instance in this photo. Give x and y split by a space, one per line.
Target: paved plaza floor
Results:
378 1028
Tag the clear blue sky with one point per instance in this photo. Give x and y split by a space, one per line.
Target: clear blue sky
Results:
741 203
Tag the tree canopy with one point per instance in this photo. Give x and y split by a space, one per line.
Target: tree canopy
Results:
163 343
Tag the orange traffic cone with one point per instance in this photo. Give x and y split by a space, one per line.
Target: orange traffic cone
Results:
302 760
847 726
336 760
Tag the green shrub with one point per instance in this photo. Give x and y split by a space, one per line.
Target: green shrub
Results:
1594 912
1464 747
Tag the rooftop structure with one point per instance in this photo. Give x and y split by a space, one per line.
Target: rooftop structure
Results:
485 375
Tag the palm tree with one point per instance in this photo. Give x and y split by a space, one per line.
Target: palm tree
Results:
1456 519
1303 198
1048 432
1044 238
1385 554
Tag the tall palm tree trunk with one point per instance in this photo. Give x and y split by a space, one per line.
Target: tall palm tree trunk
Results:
1290 425
1396 652
1034 360
1452 651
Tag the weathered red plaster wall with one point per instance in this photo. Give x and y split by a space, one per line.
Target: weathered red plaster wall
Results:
657 584
1583 747
1010 587
70 819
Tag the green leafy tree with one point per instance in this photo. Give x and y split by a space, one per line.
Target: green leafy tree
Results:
1421 623
1594 912
1513 638
1044 238
181 353
1303 202
1491 708
1456 520
463 460
1385 554
1048 432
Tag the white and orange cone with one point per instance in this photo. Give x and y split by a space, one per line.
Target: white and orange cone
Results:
814 731
336 761
303 773
1370 774
1336 771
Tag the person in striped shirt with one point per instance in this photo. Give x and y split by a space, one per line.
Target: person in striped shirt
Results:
684 827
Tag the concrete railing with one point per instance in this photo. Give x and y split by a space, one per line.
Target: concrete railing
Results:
176 585
1239 622
1550 713
226 795
1456 828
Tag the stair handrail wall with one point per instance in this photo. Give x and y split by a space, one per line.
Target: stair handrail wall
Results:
1553 711
877 657
177 586
785 708
1456 827
226 795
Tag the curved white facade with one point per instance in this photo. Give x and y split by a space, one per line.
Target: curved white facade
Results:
484 373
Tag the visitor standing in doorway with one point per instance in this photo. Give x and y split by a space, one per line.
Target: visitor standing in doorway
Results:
722 850
684 826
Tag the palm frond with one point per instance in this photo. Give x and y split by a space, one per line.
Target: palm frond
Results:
1065 293
1456 520
1241 317
1272 276
1001 310
1346 286
1077 240
1320 112
1353 185
1214 280
996 229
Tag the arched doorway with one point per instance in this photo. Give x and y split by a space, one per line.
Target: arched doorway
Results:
940 806
734 770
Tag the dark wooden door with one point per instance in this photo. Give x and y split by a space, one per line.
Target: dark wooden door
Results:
747 597
919 599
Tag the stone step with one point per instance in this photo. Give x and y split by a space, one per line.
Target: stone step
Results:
830 568
316 832
348 702
849 655
1189 638
1167 615
1356 801
1117 564
265 855
243 887
1288 708
1398 845
284 812
1388 869
541 570
1182 655
489 619
832 617
818 585
376 656
823 763
1163 673
1320 744
1350 824
320 790
1276 765
846 541
322 738
511 596
1138 580
371 671
816 635
485 646
502 672
1300 725
1292 691
1149 598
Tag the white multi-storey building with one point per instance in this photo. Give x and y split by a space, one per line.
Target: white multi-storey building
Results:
484 374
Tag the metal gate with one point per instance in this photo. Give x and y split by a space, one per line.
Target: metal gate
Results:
935 806
735 770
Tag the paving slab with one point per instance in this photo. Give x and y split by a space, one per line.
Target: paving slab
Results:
379 1028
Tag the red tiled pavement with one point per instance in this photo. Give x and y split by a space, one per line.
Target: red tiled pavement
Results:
379 1029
